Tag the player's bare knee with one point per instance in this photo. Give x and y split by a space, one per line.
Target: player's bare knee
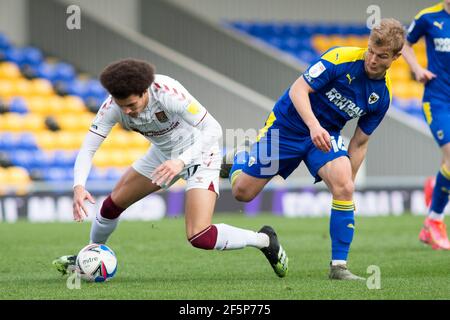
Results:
242 194
343 190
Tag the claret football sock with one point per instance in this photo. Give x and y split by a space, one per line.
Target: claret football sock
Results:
105 221
342 226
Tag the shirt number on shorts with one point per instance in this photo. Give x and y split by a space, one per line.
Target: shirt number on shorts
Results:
338 145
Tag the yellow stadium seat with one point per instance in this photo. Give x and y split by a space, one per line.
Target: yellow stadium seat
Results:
54 105
361 41
13 122
415 90
120 140
41 87
9 70
101 159
320 43
6 89
111 158
46 140
18 179
73 104
2 181
85 120
401 90
134 154
34 123
38 105
137 140
68 122
422 59
17 175
2 175
22 87
66 140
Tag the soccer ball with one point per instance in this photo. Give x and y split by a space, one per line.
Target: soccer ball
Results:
96 263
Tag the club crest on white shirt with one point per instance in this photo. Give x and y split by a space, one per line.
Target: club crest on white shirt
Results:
161 116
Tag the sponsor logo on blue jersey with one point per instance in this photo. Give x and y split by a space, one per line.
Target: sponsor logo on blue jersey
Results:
344 104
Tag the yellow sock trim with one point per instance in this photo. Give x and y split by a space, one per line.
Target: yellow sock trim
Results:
445 172
234 176
343 205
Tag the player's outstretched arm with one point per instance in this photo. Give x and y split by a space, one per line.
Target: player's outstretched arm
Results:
299 94
357 150
83 165
421 74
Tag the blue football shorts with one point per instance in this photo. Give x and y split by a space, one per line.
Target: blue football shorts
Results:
437 115
280 150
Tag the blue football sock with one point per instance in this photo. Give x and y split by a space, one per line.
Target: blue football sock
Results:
441 191
342 227
240 160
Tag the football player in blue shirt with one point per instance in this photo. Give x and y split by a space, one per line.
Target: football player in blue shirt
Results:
434 24
305 124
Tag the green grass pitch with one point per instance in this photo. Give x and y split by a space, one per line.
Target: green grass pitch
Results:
156 262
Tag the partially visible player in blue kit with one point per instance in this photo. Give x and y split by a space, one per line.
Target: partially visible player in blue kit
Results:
345 83
433 23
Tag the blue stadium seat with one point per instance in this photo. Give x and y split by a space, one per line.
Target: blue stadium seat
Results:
41 160
64 72
27 141
113 174
95 175
15 55
22 158
78 88
64 159
46 70
55 175
7 142
18 105
4 42
32 56
95 89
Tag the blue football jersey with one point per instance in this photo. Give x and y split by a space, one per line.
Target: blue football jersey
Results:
342 91
434 24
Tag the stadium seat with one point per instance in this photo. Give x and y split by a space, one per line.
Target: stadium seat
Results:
27 141
41 87
18 180
6 89
12 122
9 71
306 41
18 105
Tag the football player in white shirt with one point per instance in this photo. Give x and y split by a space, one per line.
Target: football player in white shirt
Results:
185 145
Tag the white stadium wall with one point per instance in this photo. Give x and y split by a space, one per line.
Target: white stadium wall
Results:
14 20
304 10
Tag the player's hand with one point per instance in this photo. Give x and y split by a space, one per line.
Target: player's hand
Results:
423 75
321 138
167 171
79 209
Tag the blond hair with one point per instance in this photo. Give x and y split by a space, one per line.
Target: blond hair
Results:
389 33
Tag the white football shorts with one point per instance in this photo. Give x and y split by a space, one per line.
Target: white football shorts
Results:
204 175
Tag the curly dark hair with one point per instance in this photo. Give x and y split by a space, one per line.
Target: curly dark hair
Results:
127 77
